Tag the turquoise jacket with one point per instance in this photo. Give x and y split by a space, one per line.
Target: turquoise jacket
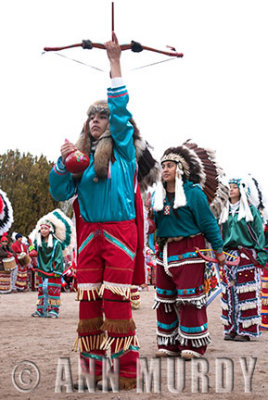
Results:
246 234
196 217
110 199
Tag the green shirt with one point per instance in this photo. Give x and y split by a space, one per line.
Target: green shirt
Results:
246 234
192 219
50 259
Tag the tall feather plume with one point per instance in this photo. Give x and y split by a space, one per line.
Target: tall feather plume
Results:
211 177
256 195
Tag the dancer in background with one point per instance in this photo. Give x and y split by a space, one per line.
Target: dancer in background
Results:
53 234
23 260
183 221
8 266
242 233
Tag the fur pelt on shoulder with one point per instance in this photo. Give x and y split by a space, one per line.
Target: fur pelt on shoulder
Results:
148 168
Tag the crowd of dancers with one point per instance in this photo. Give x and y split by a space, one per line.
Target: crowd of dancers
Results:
204 236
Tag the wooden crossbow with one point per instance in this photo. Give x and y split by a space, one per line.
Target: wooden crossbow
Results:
136 47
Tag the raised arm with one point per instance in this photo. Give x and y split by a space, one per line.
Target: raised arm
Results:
120 127
114 53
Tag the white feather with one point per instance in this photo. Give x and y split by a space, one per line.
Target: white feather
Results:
159 197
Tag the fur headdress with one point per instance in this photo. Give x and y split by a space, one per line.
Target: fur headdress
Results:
148 168
199 166
6 213
60 226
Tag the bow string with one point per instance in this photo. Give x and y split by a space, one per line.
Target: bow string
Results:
134 46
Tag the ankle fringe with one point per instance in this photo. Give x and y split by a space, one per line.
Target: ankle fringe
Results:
103 342
88 343
121 343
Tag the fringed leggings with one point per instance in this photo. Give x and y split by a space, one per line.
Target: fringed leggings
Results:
22 278
241 313
105 265
180 300
49 291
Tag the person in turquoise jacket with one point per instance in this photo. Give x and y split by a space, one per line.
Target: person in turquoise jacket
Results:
243 236
106 228
183 221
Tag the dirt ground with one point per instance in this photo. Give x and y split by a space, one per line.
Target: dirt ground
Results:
44 342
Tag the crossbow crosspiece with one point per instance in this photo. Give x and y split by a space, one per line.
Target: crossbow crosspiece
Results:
136 47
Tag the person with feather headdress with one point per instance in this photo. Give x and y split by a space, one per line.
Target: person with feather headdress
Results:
109 225
183 218
53 235
257 197
242 232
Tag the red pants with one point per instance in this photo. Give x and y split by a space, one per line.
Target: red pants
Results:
105 265
180 298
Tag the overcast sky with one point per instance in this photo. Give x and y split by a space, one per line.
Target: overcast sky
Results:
216 95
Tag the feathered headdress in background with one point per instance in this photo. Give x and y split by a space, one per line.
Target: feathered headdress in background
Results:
60 226
244 202
251 193
257 196
199 166
6 213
